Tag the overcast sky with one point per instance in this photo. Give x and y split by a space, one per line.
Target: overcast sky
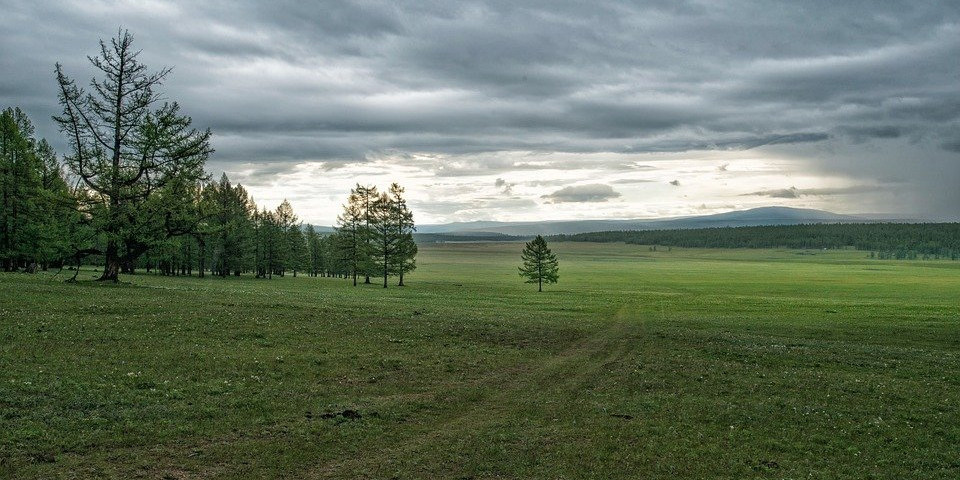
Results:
541 110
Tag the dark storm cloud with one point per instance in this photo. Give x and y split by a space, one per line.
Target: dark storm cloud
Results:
595 192
288 82
860 133
952 146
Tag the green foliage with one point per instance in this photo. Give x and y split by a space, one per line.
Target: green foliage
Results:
138 158
539 263
229 213
39 221
316 256
141 197
404 259
375 234
298 255
351 240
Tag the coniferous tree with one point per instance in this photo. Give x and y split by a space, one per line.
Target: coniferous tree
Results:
228 225
205 209
297 249
383 235
366 197
259 253
351 240
539 263
244 210
285 221
265 240
271 237
38 211
405 249
19 186
334 261
314 247
125 151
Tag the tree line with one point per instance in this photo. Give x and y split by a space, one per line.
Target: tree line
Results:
883 240
132 193
39 221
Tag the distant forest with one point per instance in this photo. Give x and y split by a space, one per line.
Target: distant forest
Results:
883 240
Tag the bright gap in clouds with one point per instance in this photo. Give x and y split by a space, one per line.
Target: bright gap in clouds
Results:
523 186
534 111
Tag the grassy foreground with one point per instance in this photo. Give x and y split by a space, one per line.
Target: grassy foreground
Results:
689 363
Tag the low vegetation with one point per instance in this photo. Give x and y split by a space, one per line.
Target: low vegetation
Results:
653 364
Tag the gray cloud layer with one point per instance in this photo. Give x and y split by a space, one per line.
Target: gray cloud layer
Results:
794 192
857 88
594 192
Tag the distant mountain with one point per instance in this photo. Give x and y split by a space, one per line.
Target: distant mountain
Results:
453 237
477 226
319 228
740 218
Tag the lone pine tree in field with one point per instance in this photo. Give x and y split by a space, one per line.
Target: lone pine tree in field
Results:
539 263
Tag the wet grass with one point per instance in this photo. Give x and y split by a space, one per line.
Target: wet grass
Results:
687 363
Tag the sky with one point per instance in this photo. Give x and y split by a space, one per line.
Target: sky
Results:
519 111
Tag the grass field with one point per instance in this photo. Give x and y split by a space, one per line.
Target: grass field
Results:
688 363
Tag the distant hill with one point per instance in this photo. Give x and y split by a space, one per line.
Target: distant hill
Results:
741 218
455 237
320 228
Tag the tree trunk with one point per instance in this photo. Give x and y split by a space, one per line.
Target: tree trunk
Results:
401 279
202 261
7 243
126 265
111 268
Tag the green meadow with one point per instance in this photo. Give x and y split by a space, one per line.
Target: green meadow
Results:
637 364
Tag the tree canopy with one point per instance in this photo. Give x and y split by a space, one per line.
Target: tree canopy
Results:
137 157
132 193
540 265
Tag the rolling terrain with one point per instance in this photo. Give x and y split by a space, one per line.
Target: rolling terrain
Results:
741 218
687 363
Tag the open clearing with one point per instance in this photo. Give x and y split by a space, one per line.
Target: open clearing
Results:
683 363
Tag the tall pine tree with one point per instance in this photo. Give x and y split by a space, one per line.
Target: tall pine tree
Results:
405 249
539 263
351 240
124 147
